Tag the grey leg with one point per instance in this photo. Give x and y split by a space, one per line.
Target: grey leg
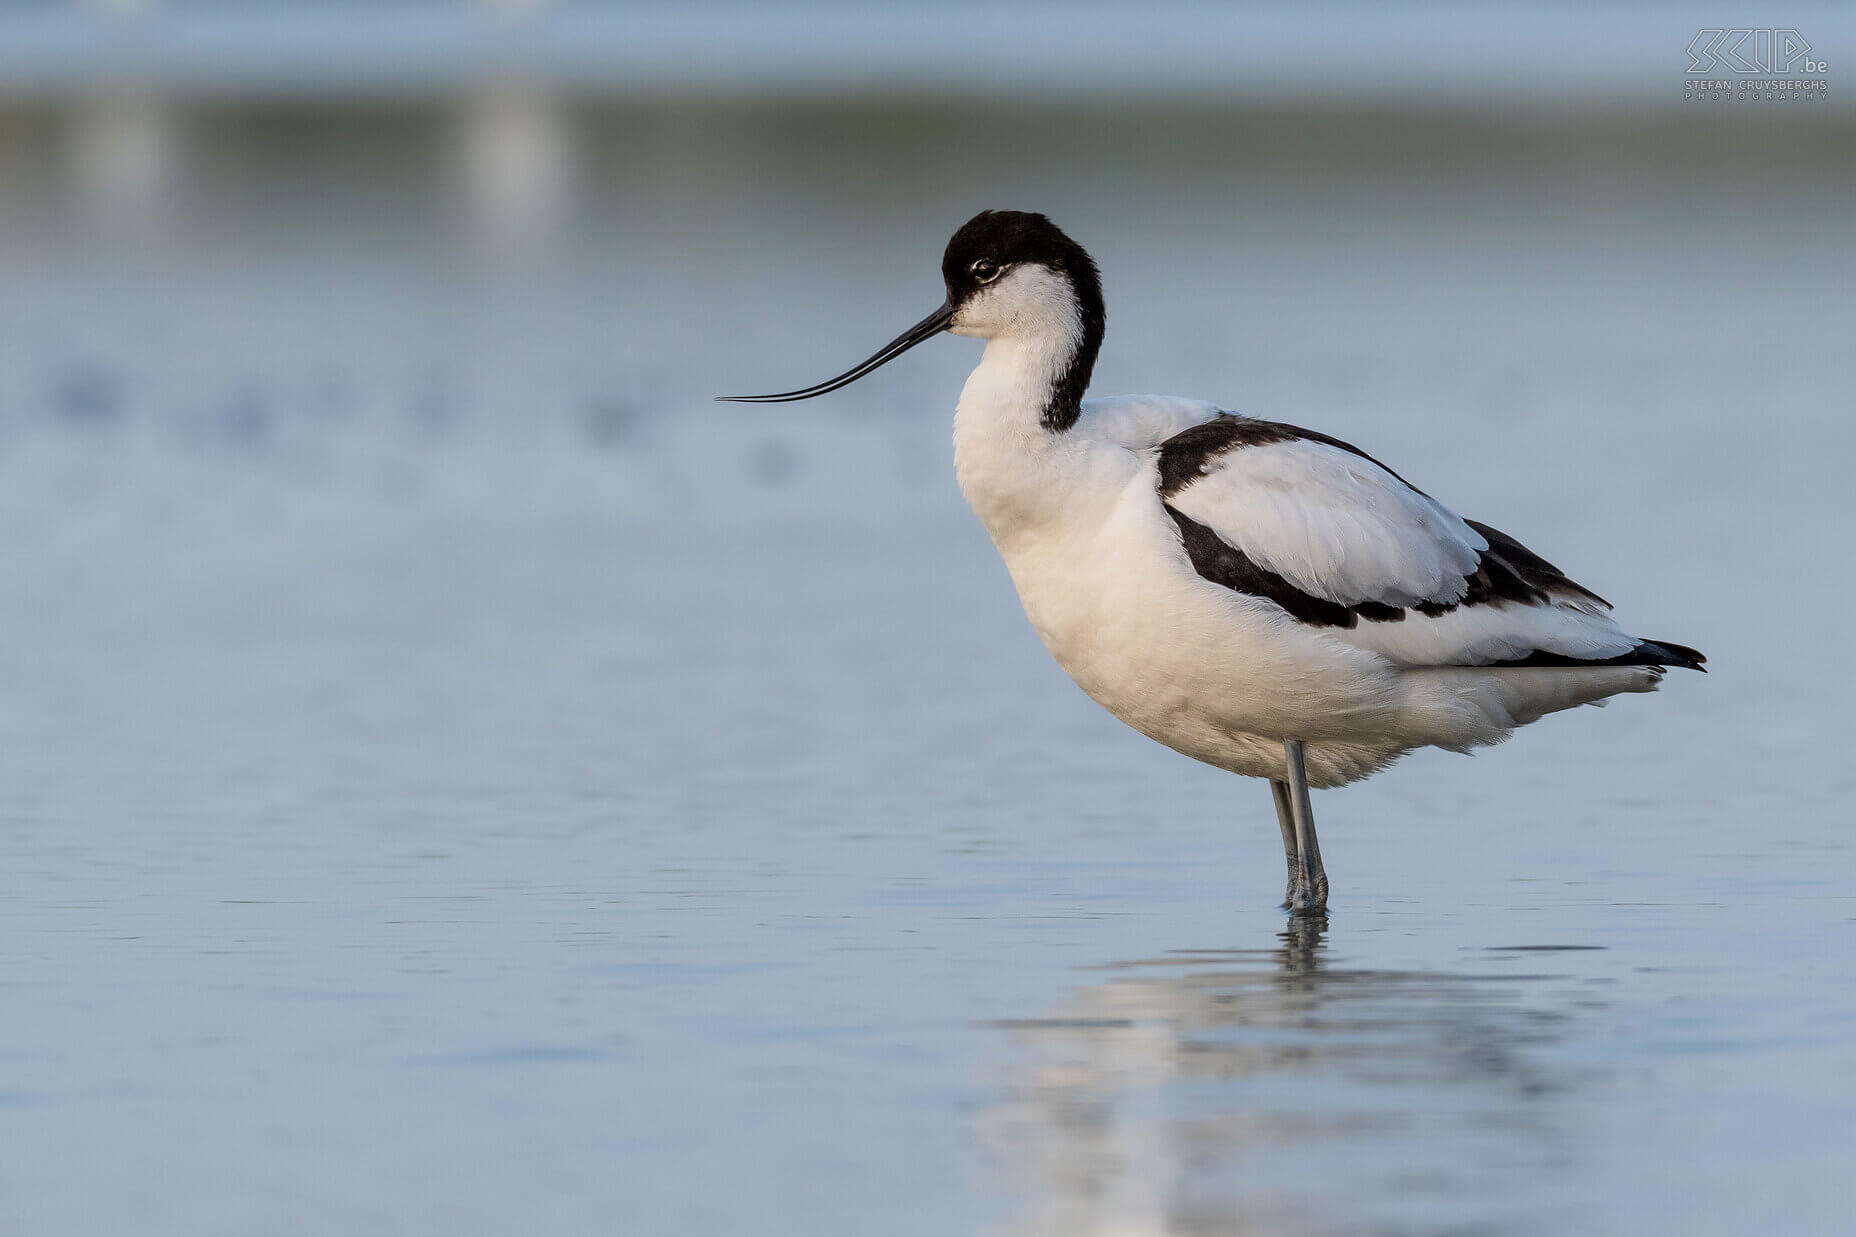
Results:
1308 882
1285 817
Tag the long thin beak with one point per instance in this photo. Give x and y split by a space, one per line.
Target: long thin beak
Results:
927 328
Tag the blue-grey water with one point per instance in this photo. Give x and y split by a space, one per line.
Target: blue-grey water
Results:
456 779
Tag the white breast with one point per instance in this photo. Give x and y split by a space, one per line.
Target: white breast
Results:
1103 578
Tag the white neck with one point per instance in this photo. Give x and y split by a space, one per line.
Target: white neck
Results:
1002 453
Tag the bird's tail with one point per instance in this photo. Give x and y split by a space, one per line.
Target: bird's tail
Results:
1666 653
1655 654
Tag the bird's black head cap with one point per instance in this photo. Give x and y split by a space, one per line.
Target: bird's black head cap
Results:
986 249
990 244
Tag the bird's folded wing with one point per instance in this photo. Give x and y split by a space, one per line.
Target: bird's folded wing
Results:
1344 544
1334 524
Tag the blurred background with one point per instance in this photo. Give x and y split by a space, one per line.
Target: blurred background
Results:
454 776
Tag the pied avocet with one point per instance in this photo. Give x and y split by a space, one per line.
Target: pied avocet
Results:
1263 598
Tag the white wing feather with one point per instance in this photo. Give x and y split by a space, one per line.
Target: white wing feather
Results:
1340 527
1334 524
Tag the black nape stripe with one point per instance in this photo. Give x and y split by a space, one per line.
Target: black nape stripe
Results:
1066 394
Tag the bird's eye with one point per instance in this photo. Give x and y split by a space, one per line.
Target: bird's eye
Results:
985 270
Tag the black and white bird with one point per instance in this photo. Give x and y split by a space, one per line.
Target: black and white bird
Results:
1263 598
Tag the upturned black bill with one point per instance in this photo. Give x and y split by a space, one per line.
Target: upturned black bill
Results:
927 328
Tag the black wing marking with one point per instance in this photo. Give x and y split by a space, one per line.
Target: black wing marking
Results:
1507 573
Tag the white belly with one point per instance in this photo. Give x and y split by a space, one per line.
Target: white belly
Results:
1214 674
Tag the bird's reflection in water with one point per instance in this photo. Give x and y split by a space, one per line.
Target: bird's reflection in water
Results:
1278 1090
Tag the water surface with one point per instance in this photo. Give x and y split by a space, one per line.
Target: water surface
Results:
455 779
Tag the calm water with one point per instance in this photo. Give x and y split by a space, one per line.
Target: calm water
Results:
455 779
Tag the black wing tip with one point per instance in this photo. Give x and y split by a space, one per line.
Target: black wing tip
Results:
1653 654
1671 654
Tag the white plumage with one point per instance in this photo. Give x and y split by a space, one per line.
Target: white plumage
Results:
1343 528
1259 597
1225 676
1334 525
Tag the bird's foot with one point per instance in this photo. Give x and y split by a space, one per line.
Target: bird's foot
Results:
1308 894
